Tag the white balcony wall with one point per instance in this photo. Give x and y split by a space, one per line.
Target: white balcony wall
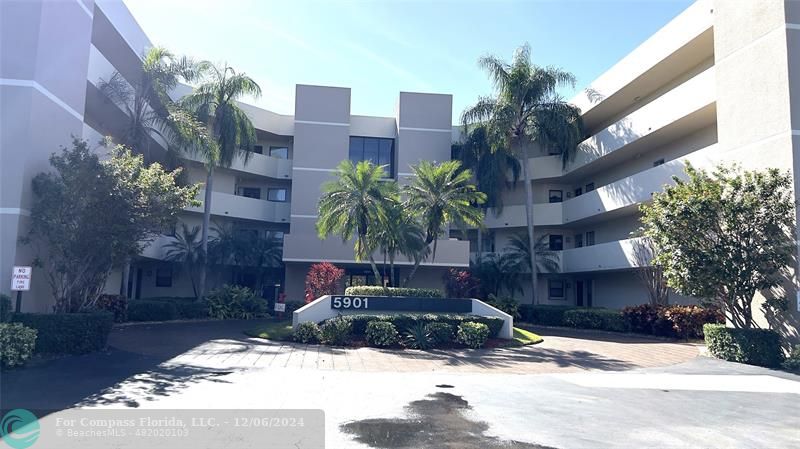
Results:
544 214
258 164
227 205
617 255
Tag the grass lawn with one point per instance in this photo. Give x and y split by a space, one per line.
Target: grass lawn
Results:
273 330
523 338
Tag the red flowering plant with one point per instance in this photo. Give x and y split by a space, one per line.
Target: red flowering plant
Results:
322 279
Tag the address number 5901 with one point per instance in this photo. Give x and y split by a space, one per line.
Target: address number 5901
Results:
346 302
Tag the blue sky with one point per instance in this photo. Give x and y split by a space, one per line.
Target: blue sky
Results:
379 48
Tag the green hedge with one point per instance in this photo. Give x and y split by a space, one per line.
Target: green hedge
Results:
68 333
381 334
600 319
751 346
405 321
377 290
544 315
167 309
472 334
17 343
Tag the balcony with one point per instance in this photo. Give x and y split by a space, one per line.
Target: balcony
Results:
618 255
258 164
544 214
227 205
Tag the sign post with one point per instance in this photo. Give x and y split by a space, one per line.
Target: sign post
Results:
20 282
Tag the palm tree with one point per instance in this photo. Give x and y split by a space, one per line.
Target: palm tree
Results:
526 111
355 202
497 272
398 233
440 195
213 102
186 249
519 253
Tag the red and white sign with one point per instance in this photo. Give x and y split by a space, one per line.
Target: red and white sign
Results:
21 279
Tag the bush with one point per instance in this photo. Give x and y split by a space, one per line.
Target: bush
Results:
472 334
5 308
377 290
336 331
544 315
322 279
506 304
407 320
674 321
419 336
235 302
291 306
152 310
440 333
601 319
460 283
308 332
68 333
751 346
641 318
116 304
381 334
792 363
16 344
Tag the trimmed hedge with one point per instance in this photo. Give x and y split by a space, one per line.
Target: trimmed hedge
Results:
381 334
308 332
760 347
792 363
377 290
601 319
675 321
336 331
440 333
5 308
116 304
68 333
407 320
16 344
167 309
472 334
544 315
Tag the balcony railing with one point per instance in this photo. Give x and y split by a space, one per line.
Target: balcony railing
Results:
227 205
617 255
304 247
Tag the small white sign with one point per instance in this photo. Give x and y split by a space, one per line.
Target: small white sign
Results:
280 307
21 279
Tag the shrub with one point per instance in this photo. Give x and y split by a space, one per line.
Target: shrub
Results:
641 318
377 290
359 322
792 363
308 332
545 315
68 333
5 308
440 333
152 310
381 334
116 304
291 306
418 336
407 320
16 344
602 319
322 279
235 302
751 346
507 304
336 331
472 334
674 321
460 283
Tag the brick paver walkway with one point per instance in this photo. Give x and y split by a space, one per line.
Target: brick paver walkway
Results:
562 350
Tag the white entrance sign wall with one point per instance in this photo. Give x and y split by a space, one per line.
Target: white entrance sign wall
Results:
321 309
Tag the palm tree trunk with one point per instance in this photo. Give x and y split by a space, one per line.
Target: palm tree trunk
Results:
529 215
480 242
391 270
206 224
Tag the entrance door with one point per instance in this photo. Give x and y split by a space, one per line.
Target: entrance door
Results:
589 291
579 293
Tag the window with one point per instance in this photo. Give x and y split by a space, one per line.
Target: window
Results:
164 276
658 162
250 192
275 235
578 191
578 240
589 187
556 242
555 289
589 238
556 196
258 149
246 234
279 152
376 150
276 195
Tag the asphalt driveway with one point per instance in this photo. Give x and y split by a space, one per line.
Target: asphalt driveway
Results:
575 390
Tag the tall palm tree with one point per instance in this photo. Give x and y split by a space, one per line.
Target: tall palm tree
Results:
519 252
214 102
186 250
442 194
527 111
353 203
398 233
497 272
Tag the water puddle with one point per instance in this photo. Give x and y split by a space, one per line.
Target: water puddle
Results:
436 421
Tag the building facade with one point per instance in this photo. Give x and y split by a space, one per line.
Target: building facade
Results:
719 83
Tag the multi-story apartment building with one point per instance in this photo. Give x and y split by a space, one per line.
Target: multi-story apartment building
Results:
717 84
